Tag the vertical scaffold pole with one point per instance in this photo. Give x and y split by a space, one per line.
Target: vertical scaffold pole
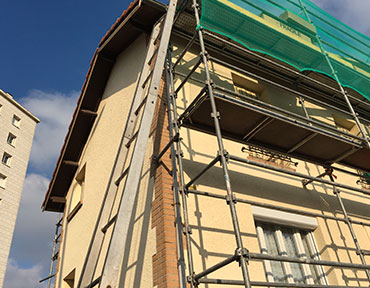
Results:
350 227
176 156
336 77
179 156
231 200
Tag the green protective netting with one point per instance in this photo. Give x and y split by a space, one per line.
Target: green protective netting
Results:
296 32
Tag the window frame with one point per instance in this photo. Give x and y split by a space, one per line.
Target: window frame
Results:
8 159
279 219
3 179
16 121
13 138
78 183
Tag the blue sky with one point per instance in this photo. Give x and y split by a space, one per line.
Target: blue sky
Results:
45 51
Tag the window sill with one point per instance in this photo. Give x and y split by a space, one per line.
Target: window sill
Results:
74 211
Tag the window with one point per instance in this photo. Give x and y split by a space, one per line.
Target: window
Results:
75 201
278 239
16 121
11 139
6 159
2 180
247 86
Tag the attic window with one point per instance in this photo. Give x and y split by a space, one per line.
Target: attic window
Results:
75 200
246 86
343 124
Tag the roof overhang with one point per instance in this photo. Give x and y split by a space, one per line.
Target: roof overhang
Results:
137 19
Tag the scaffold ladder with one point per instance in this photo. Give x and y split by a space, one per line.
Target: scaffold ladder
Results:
55 251
144 101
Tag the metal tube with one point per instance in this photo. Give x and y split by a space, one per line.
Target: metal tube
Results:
179 157
288 119
222 152
216 267
271 206
305 182
350 227
297 174
283 67
269 284
336 77
175 135
300 94
204 170
187 47
308 261
189 75
318 92
168 145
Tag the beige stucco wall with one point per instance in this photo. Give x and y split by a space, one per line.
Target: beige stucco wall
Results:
98 156
210 218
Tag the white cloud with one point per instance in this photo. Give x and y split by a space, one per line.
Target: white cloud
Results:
17 277
33 234
55 112
354 13
34 230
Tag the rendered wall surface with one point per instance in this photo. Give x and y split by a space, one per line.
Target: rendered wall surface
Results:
98 158
10 193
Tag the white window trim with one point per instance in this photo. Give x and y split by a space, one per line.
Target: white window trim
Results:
284 218
301 222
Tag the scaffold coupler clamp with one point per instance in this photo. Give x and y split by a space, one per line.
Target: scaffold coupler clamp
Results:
242 253
230 198
216 115
191 279
329 172
196 6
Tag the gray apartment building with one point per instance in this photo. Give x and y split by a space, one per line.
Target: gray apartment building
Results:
17 127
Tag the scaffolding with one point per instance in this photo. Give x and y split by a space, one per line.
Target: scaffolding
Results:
212 99
54 253
203 114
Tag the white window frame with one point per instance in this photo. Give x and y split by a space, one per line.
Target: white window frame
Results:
296 222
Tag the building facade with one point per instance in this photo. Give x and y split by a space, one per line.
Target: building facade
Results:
16 134
252 171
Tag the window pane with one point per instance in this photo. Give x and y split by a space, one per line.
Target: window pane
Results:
272 249
314 273
292 251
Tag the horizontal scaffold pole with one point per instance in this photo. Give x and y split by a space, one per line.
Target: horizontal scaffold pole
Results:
276 207
269 284
297 174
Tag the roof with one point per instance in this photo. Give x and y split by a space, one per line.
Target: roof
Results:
10 98
138 18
